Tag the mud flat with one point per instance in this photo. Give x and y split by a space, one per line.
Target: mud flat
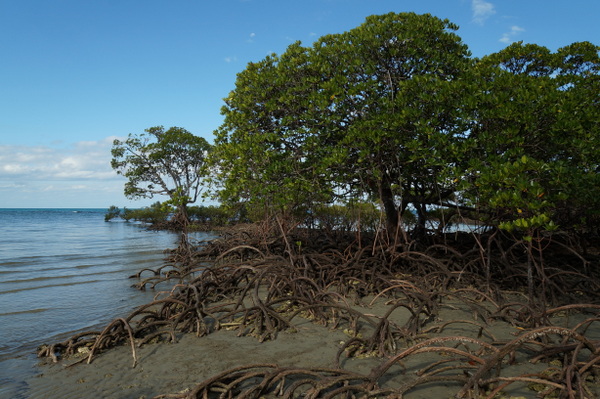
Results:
169 368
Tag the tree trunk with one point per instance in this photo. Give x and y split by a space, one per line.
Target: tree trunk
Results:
420 228
389 207
181 219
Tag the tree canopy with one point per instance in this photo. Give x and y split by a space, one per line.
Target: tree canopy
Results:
397 110
163 162
362 113
534 158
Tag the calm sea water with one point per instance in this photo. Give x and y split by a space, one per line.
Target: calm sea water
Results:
64 271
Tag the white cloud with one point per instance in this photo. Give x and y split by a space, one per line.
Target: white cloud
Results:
482 10
78 175
82 161
230 59
11 186
509 36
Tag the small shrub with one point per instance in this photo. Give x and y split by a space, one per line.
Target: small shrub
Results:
113 212
154 214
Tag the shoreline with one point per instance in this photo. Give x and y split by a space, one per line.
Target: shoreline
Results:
169 368
417 338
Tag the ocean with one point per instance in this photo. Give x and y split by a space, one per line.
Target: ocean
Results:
64 271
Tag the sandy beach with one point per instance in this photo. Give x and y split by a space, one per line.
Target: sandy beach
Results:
168 368
165 368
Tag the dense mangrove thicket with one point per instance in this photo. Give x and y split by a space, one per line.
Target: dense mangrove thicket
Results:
353 158
396 110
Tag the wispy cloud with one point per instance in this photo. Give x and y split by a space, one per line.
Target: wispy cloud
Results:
230 59
482 10
78 175
86 160
510 36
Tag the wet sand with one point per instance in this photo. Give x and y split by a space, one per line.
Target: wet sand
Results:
170 368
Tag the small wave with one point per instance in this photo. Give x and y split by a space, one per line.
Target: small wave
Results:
49 286
93 271
25 311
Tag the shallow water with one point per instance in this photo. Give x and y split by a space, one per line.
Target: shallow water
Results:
63 271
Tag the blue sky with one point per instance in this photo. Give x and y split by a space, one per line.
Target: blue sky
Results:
75 74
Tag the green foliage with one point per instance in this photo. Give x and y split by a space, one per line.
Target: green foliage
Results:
357 113
159 162
533 160
396 111
348 217
264 153
113 212
155 214
404 125
211 215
